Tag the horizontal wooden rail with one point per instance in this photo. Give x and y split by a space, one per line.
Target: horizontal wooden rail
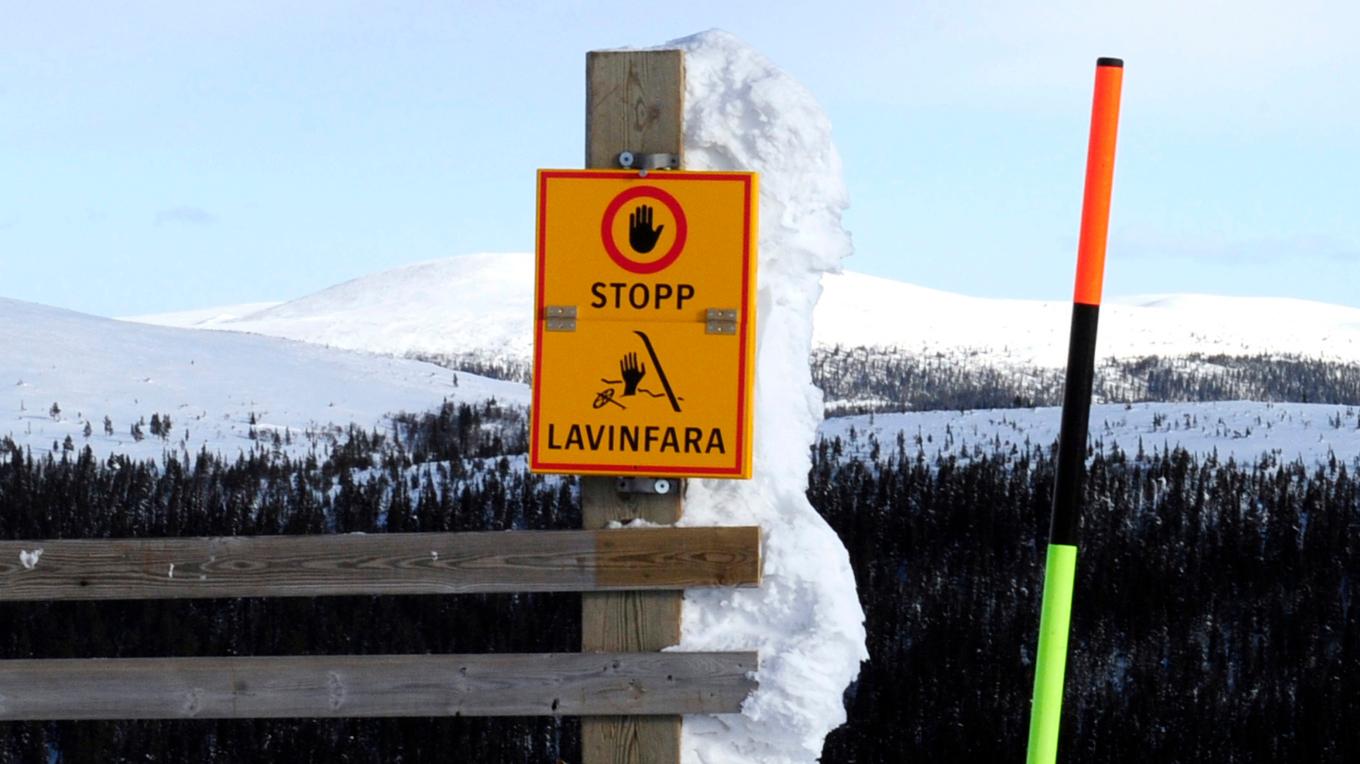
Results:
563 684
389 563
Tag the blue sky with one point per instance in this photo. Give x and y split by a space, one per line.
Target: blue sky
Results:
161 156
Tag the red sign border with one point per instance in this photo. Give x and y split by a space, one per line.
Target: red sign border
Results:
743 321
607 230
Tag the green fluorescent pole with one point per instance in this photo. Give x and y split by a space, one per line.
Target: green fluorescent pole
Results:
1060 571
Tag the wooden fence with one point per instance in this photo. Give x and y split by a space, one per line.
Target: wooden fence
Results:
594 684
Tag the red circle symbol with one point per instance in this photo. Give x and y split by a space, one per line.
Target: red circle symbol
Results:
648 266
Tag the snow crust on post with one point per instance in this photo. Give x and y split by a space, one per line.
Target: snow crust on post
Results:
743 113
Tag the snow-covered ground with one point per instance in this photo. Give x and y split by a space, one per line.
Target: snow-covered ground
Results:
473 305
206 318
1241 430
857 309
481 306
209 383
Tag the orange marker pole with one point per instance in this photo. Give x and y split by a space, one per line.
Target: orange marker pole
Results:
1095 208
1060 571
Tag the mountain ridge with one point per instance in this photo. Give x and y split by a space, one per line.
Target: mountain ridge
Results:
480 305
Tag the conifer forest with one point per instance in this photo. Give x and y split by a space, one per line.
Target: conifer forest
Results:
1215 617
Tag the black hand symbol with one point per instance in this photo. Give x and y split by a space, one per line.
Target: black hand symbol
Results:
640 234
632 373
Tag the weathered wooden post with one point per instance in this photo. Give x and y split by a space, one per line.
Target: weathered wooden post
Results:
644 344
634 102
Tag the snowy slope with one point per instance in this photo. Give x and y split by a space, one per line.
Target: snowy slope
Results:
475 305
210 383
1241 430
205 318
857 309
481 306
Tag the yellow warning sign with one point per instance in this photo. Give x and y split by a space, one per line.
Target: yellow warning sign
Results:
644 343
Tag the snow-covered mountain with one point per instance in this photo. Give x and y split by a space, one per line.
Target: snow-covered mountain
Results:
478 310
471 308
861 310
211 384
480 307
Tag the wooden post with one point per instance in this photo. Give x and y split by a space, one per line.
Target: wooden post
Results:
634 102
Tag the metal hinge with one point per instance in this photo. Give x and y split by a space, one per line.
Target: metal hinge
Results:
644 162
560 318
721 321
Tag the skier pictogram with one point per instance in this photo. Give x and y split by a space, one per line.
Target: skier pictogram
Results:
631 373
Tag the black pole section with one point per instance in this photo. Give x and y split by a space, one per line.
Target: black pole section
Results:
1076 415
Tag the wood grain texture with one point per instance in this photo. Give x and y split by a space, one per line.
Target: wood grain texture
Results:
376 685
629 621
399 563
636 620
635 102
633 621
676 558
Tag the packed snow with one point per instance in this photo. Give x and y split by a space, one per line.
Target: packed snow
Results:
742 113
30 559
64 373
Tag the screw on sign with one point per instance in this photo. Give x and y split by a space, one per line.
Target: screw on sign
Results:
639 383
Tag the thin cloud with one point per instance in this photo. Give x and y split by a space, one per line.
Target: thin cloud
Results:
185 216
